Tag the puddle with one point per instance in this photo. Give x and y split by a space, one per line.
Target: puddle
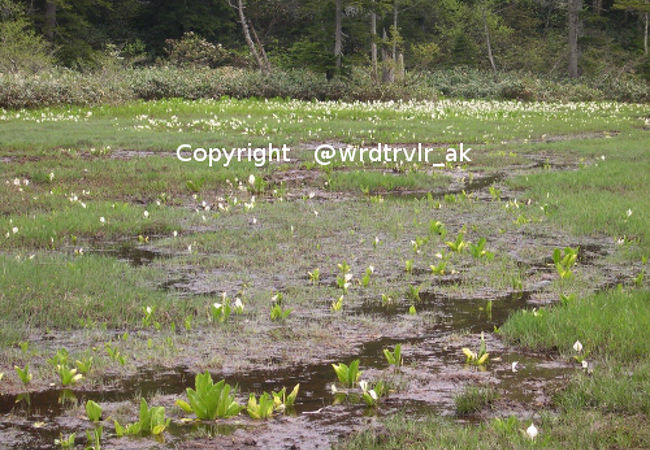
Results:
457 187
134 255
473 315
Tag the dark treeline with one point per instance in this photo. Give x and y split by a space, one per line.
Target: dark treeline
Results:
570 37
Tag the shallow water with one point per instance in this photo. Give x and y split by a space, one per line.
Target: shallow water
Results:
434 372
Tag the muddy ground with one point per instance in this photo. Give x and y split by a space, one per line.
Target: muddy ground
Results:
259 355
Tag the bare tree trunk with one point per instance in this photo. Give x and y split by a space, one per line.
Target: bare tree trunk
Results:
388 65
573 22
247 36
338 36
488 43
50 20
373 45
395 12
645 36
265 60
399 70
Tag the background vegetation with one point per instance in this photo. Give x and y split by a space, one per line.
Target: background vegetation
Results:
76 51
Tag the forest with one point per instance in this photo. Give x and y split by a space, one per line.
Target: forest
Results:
375 49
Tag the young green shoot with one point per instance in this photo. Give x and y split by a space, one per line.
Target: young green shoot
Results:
414 293
93 411
314 276
209 400
24 374
372 396
439 269
278 314
67 375
261 410
477 358
84 365
282 401
437 228
564 262
458 245
65 442
151 421
365 280
220 312
94 436
386 300
347 375
394 358
337 305
478 250
114 353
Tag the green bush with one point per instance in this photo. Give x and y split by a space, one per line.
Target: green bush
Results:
64 86
21 48
191 49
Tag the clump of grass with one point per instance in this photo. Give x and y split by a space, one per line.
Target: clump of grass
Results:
474 398
611 325
368 181
95 219
56 292
577 429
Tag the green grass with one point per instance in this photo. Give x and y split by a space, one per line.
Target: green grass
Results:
613 326
72 220
474 398
596 198
614 329
150 125
369 181
577 429
138 179
57 292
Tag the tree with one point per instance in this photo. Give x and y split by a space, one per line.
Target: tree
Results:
338 33
575 6
641 7
21 49
488 42
375 8
256 48
50 20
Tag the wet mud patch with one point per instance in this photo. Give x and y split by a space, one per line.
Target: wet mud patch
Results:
433 374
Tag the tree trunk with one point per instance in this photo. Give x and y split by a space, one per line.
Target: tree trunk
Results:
338 36
597 6
488 43
265 60
399 70
573 22
395 5
373 45
50 21
645 36
388 65
247 36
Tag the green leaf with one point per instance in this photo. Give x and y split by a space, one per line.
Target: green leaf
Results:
93 411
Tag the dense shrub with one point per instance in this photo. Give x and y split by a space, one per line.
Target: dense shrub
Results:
191 49
21 48
71 87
